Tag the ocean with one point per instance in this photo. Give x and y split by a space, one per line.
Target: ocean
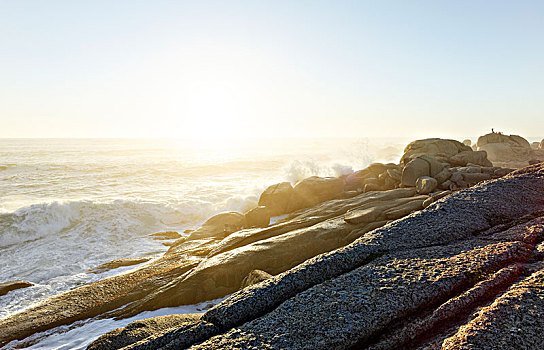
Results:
68 205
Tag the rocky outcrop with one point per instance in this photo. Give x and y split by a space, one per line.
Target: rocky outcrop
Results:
6 287
512 150
208 264
117 263
436 278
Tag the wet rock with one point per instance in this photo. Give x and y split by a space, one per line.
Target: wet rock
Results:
117 263
258 217
277 198
166 235
6 287
254 277
426 185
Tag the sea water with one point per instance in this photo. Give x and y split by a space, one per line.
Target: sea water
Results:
68 205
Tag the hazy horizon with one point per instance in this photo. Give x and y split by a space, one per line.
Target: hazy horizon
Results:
208 70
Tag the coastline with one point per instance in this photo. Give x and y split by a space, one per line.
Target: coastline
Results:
323 214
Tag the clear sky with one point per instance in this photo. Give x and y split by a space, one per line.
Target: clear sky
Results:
111 68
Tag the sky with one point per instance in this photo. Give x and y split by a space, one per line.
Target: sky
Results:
213 69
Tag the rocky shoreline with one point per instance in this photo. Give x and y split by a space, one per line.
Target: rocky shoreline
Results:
394 255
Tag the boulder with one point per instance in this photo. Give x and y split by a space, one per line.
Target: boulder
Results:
467 142
470 157
426 184
505 148
315 189
277 198
258 217
541 145
254 277
6 287
219 225
535 145
413 170
436 147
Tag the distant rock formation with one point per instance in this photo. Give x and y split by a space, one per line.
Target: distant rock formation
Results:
503 149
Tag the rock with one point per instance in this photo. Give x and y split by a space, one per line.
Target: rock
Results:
354 181
426 185
254 277
457 217
474 178
500 172
541 145
6 287
513 321
378 168
348 310
314 190
395 174
505 148
219 225
467 142
446 185
434 197
372 187
117 263
535 145
435 166
457 177
438 148
277 198
415 169
180 331
470 157
257 217
443 176
166 235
